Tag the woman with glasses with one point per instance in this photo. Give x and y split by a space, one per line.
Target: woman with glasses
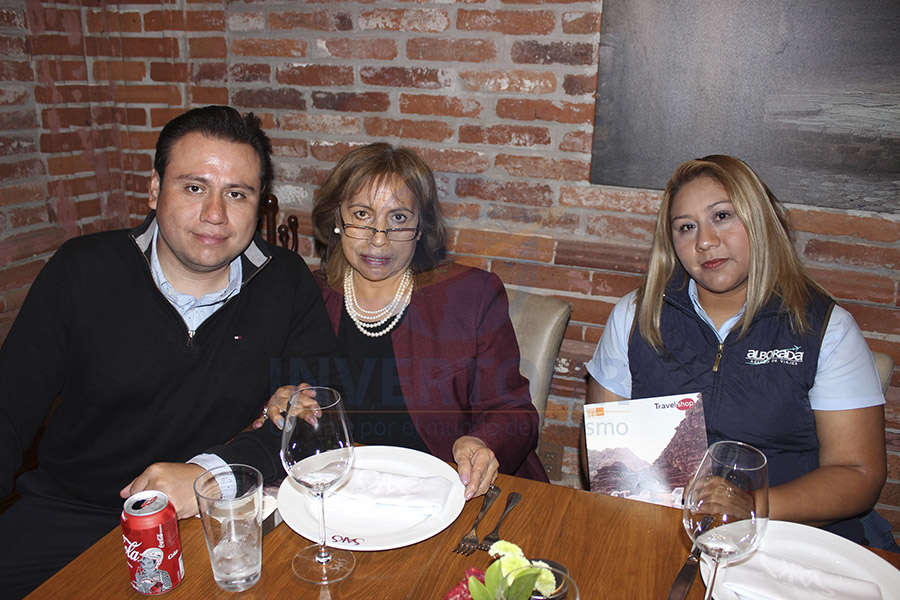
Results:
431 357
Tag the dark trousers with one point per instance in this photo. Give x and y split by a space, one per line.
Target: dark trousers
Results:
41 535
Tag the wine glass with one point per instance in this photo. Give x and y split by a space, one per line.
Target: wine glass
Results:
317 452
726 507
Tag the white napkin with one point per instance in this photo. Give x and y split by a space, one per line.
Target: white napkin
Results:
767 577
379 489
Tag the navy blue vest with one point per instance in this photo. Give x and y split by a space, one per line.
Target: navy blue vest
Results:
755 388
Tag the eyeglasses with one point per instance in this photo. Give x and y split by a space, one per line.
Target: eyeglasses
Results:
366 232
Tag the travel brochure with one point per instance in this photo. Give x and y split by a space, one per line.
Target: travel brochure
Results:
645 449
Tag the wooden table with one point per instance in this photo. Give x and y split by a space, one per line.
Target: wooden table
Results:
614 548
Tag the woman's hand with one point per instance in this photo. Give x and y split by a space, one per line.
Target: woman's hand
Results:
276 408
476 463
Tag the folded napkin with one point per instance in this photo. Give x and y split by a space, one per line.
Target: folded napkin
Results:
379 489
767 577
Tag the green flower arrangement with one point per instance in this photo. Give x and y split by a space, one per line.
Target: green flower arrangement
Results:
512 576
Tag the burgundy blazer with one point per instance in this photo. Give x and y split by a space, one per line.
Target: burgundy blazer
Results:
458 364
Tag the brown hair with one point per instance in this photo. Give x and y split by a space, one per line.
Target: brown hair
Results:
774 264
378 164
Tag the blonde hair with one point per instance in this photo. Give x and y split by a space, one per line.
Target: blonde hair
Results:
774 268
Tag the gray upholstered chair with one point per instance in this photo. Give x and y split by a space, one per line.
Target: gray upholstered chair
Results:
885 365
540 324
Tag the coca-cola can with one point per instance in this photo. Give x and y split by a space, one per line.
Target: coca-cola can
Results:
152 545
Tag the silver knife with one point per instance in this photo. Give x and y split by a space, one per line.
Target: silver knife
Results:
686 576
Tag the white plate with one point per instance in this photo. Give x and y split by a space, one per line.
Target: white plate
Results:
365 531
817 549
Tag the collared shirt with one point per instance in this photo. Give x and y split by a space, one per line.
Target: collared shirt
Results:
194 310
846 377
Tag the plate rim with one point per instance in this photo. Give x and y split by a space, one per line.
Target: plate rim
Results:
803 533
456 499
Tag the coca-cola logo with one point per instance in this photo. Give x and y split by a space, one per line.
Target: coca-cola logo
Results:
131 549
342 539
684 403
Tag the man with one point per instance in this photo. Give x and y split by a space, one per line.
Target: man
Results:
161 345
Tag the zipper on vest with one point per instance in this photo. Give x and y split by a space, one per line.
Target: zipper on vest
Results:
718 359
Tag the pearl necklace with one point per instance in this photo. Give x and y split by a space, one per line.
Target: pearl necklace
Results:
393 310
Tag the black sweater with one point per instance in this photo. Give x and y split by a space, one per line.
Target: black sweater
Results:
134 388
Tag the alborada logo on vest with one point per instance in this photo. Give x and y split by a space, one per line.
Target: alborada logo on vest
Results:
787 356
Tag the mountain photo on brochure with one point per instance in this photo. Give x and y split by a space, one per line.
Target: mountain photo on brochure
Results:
645 449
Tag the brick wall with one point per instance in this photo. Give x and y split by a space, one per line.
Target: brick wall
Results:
497 95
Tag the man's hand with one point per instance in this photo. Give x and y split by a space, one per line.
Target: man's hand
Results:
176 480
476 463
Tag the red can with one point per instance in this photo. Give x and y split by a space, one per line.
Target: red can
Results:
152 545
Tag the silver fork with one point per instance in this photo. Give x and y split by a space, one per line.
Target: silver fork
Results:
494 536
469 542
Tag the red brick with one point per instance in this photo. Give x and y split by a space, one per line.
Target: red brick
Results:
23 216
563 53
49 43
12 300
10 95
19 276
427 20
510 22
455 50
890 494
208 95
510 81
455 161
290 147
331 151
610 257
839 222
17 120
545 110
627 228
161 116
353 48
192 20
21 194
31 243
13 70
139 140
88 208
414 77
106 21
853 285
73 141
614 285
336 124
882 319
169 71
857 255
270 98
545 168
504 135
279 48
564 435
117 70
211 71
513 192
66 165
504 245
580 85
314 75
421 104
543 219
581 22
48 18
543 277
137 161
322 20
245 72
351 101
576 141
132 47
148 94
435 131
12 18
460 210
29 167
614 199
61 70
211 47
472 261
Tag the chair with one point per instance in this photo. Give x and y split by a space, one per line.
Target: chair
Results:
885 365
540 323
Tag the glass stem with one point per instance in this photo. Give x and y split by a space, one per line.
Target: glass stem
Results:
323 556
712 579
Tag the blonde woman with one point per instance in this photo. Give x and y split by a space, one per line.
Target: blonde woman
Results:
726 310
